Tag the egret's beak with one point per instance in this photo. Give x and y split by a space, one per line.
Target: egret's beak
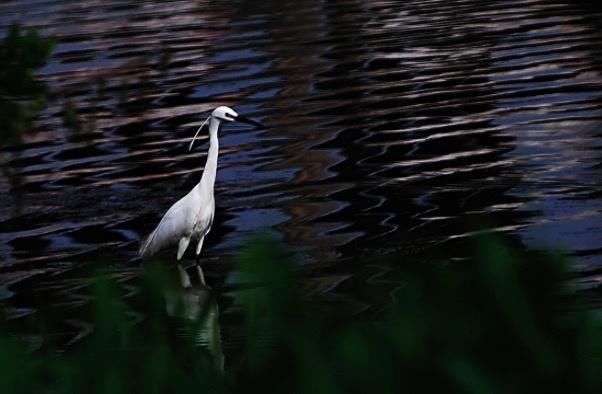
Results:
244 119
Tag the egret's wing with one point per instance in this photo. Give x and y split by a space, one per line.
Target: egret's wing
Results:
176 223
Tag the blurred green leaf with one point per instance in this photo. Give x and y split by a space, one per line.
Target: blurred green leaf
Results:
503 322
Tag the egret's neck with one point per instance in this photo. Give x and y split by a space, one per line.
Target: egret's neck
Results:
208 178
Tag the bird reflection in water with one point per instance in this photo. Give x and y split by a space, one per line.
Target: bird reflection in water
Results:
194 302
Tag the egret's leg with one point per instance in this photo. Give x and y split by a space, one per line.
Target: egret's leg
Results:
182 245
201 275
199 246
184 278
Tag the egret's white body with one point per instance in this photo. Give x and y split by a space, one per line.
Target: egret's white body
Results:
191 217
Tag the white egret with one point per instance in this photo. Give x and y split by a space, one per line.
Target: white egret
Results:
191 217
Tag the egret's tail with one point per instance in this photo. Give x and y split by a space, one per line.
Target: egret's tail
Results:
145 251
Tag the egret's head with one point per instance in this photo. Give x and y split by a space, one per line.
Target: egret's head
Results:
225 114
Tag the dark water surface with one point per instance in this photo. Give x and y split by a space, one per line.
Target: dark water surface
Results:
392 127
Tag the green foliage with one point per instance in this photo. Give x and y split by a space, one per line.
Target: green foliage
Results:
21 97
505 322
20 55
123 355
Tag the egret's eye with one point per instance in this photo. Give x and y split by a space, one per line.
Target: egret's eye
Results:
228 116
